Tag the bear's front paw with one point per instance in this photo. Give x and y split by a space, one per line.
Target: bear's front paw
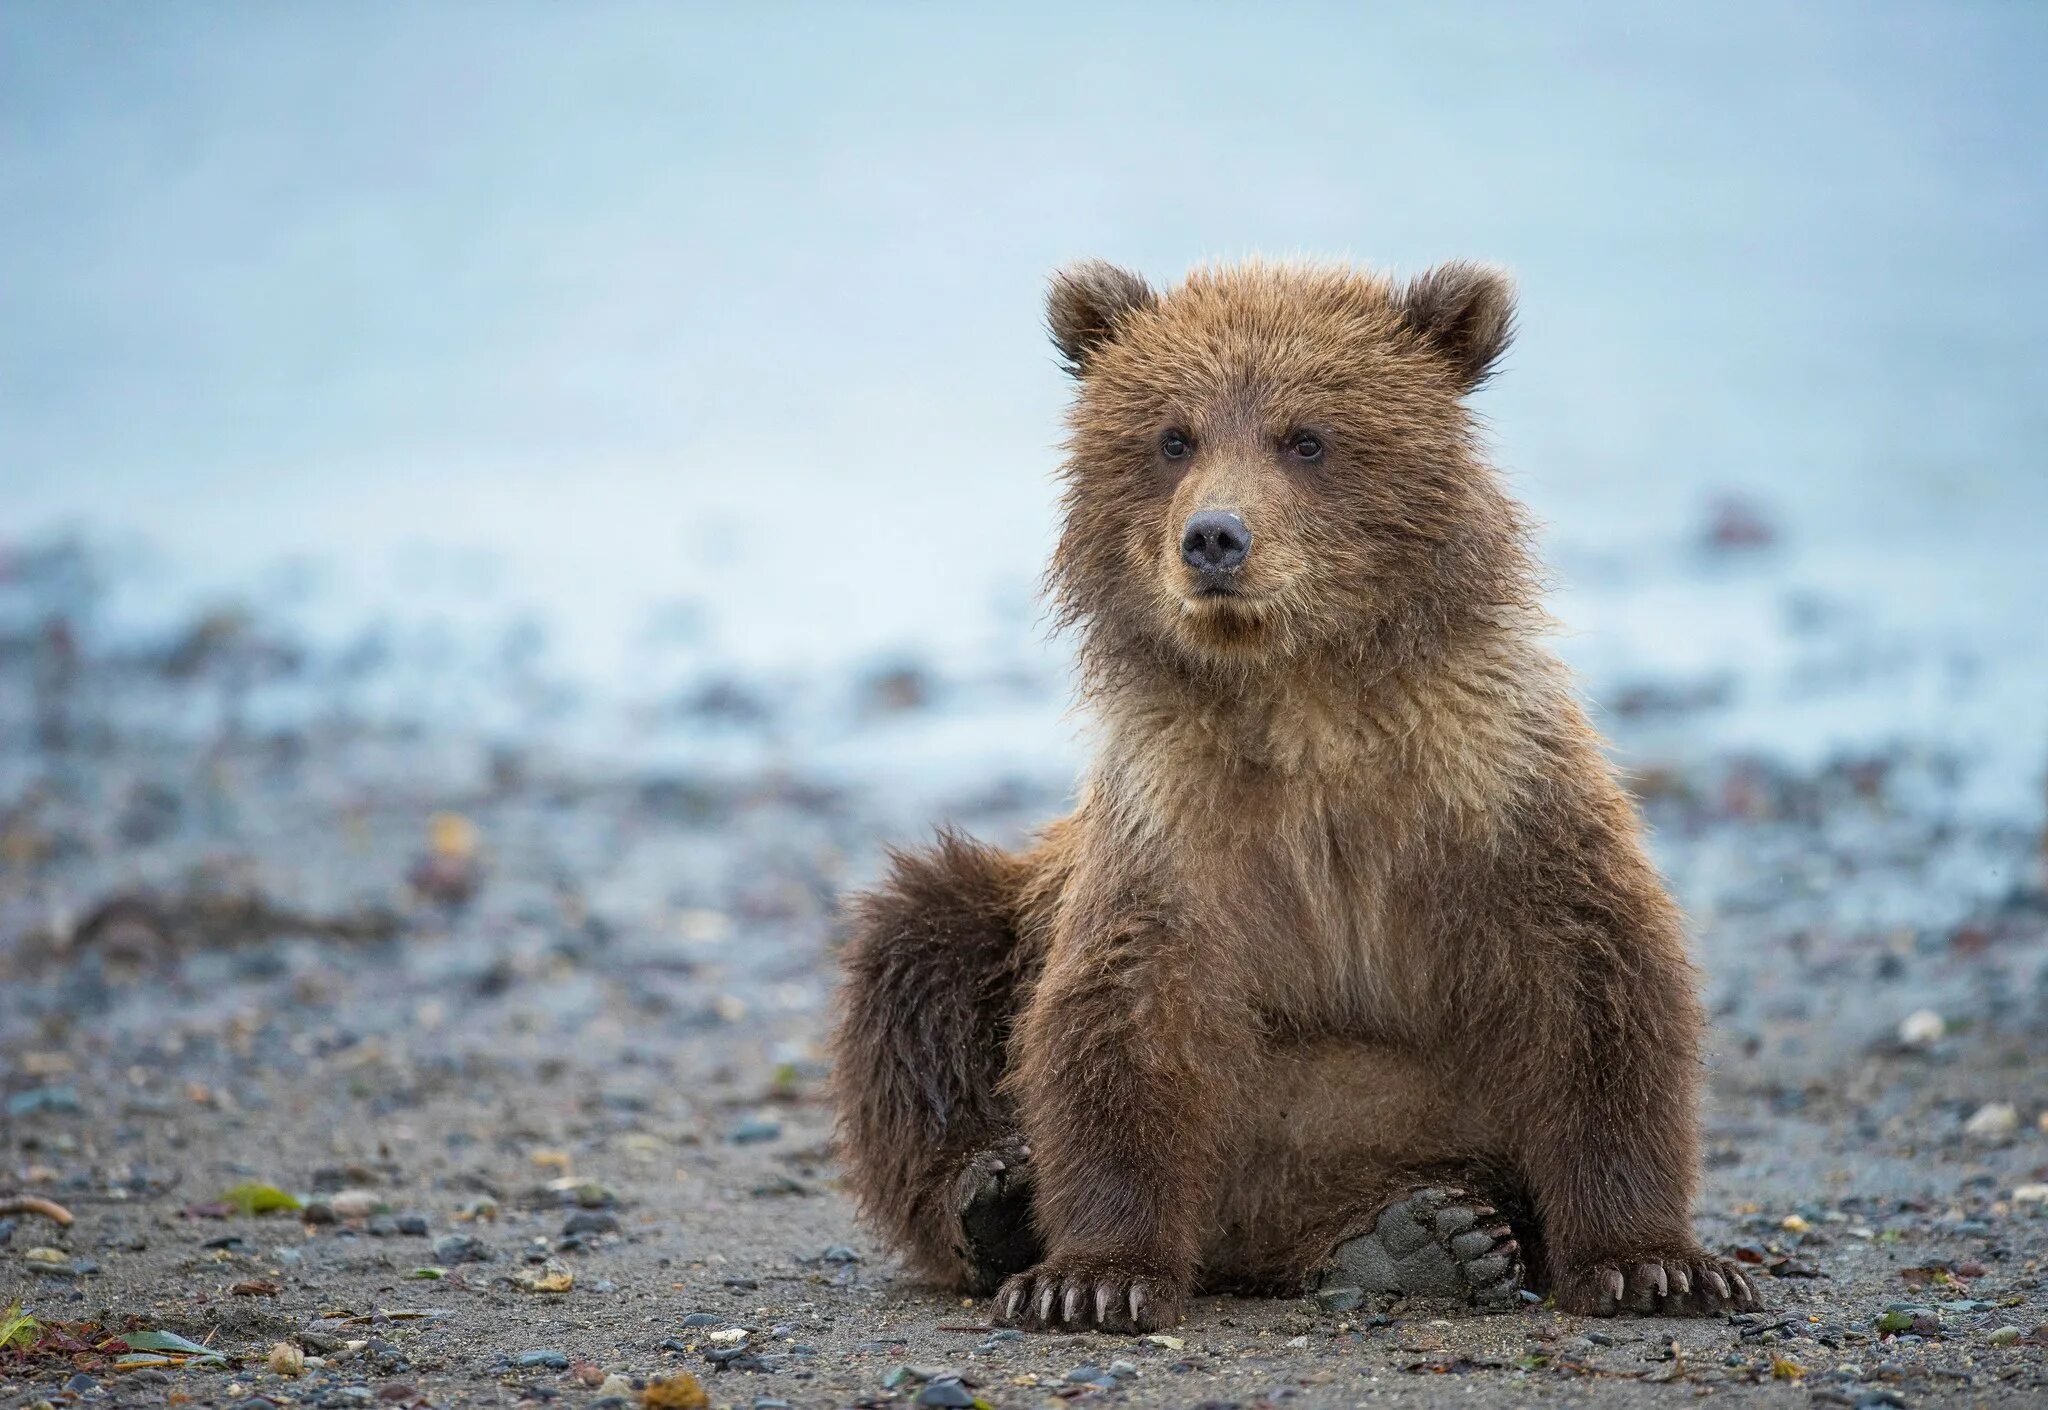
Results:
1688 1283
1083 1295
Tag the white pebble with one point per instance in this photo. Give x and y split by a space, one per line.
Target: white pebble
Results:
1921 1028
1993 1119
2030 1194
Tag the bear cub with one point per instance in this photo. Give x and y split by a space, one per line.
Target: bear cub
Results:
1348 972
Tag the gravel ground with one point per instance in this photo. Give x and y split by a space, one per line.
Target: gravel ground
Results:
532 1043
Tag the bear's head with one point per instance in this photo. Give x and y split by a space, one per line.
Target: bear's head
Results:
1273 460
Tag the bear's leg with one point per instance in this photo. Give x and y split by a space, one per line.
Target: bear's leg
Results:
1365 1176
934 971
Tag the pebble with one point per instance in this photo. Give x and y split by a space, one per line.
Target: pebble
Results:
590 1221
702 1319
946 1392
1992 1121
839 1253
2004 1336
1922 1028
750 1132
553 1360
413 1226
2030 1194
462 1248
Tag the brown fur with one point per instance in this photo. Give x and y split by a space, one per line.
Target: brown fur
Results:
1352 897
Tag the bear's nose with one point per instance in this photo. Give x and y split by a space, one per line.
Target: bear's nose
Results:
1215 542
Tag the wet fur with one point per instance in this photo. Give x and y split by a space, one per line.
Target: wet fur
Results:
1352 898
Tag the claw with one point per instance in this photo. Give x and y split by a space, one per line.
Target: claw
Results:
1140 1305
1715 1281
1045 1297
1650 1279
1681 1282
1103 1294
1072 1304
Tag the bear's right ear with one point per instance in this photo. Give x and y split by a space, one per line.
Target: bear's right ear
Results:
1085 304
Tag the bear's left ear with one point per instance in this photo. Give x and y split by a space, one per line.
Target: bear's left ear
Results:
1085 304
1466 312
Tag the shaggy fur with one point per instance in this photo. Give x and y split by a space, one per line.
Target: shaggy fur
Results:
1352 901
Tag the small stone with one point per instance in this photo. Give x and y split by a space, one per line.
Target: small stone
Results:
615 1387
286 1360
590 1221
1159 1339
462 1248
702 1319
946 1393
1339 1299
2004 1336
553 1360
1123 1369
839 1253
354 1204
754 1131
1992 1121
413 1226
2030 1194
1922 1028
1085 1375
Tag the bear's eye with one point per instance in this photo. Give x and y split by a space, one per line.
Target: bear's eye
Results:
1175 445
1302 446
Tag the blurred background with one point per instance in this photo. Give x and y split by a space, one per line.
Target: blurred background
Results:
656 345
507 510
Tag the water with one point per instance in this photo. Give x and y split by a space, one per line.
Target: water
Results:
675 342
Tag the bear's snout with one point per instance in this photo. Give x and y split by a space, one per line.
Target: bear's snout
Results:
1214 544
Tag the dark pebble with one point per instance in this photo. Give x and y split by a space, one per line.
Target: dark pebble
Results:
80 1383
948 1392
590 1221
839 1253
749 1132
462 1248
702 1319
381 1226
554 1360
413 1226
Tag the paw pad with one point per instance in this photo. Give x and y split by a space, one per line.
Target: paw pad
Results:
1434 1243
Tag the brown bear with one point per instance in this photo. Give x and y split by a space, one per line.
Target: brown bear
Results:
1348 971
